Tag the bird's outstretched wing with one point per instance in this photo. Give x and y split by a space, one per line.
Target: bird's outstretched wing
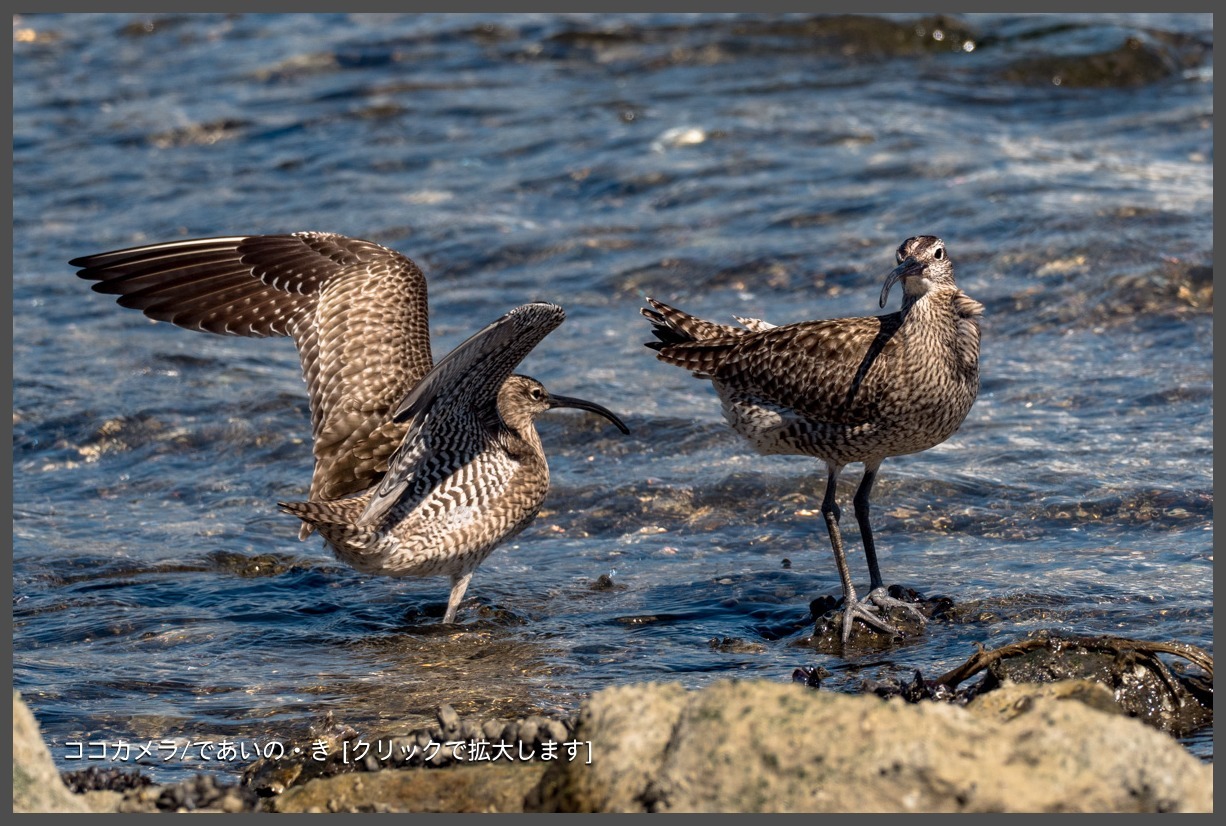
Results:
356 310
449 404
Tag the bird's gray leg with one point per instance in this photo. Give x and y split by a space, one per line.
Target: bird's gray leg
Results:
830 510
866 532
876 588
852 607
459 584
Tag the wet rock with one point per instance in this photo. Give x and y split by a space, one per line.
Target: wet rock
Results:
99 779
36 782
492 729
604 582
1174 288
271 776
204 793
201 793
249 567
759 746
497 617
1140 683
827 612
1135 62
453 742
877 37
449 722
850 37
474 765
735 645
199 134
810 676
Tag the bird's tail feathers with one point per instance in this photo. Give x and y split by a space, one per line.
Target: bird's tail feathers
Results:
673 326
336 520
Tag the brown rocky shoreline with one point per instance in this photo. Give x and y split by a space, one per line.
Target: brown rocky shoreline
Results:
1055 724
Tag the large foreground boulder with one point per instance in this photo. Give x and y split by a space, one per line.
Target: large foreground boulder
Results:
753 746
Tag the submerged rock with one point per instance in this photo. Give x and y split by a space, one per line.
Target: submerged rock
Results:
1137 61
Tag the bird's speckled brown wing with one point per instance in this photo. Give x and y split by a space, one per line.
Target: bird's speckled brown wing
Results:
357 311
828 371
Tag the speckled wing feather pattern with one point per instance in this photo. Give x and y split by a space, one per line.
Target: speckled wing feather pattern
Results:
842 390
445 409
849 359
356 310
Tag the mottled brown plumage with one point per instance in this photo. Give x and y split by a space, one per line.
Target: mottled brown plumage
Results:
420 469
844 390
471 472
357 312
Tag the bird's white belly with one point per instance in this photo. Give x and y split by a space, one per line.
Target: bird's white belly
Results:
457 525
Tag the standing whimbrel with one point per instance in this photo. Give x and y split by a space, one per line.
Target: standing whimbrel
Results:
845 390
357 312
471 471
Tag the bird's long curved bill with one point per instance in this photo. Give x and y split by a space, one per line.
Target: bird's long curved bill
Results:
592 407
908 267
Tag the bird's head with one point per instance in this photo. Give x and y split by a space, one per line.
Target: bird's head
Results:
923 264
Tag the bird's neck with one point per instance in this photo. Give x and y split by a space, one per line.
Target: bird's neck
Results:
519 438
947 318
935 302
